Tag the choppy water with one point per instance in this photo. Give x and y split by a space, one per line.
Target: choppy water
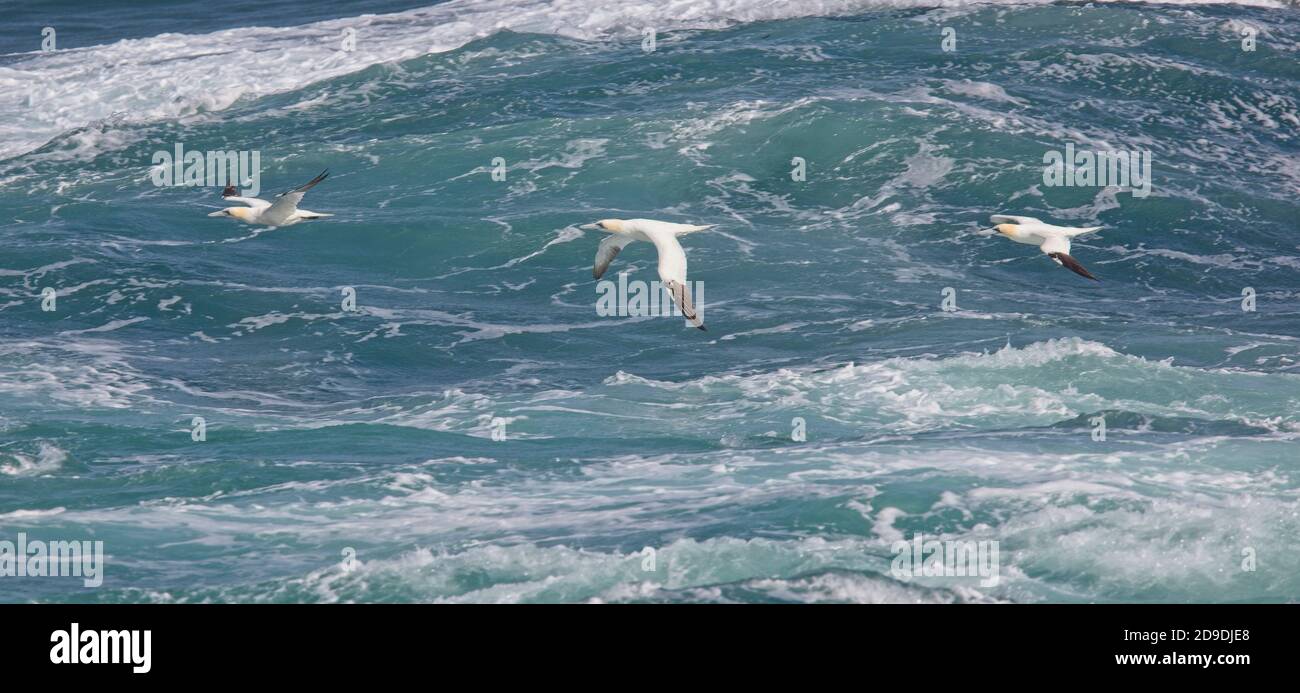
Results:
372 430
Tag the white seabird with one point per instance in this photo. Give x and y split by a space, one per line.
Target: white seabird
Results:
283 212
1053 240
672 259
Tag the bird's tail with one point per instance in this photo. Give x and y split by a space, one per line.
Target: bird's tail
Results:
1081 231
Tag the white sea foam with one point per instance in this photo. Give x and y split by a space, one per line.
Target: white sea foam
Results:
1130 521
107 327
84 372
24 514
47 458
182 76
982 90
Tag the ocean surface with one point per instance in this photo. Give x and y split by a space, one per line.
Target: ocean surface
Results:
474 431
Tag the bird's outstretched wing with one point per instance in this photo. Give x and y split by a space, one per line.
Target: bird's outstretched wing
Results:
607 251
1058 248
308 185
672 259
1008 219
1072 265
287 202
672 271
232 193
682 297
1056 244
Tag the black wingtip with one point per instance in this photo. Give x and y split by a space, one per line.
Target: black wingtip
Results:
1073 265
309 184
229 191
702 328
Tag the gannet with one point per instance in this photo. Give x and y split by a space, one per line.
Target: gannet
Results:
283 212
1053 240
672 259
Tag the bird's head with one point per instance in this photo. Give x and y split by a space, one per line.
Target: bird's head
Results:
1008 230
610 225
240 213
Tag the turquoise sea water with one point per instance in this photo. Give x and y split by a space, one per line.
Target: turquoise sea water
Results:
334 434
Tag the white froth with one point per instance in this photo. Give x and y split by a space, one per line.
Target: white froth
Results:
183 76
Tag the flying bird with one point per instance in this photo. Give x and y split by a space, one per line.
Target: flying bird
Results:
283 212
1053 240
672 259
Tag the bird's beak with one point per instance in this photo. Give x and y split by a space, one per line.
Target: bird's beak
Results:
590 227
218 213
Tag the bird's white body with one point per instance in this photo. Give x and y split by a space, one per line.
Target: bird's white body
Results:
262 212
663 234
1038 233
283 212
1053 240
